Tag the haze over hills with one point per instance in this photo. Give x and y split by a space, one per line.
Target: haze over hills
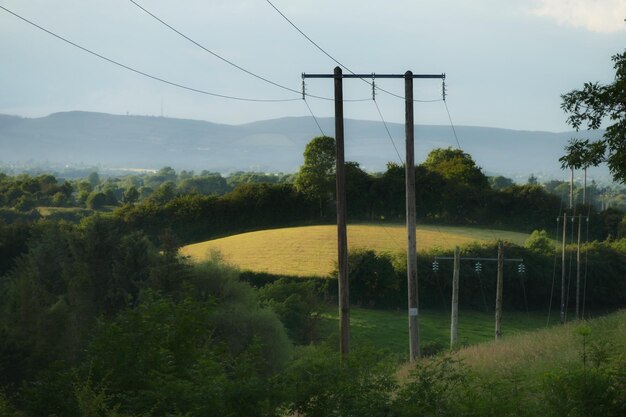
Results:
117 141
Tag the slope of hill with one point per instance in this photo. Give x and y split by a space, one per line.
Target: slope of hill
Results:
312 250
270 145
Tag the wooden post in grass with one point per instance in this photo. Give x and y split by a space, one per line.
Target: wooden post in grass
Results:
499 291
454 319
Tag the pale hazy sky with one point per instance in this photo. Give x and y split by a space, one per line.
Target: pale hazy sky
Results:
507 61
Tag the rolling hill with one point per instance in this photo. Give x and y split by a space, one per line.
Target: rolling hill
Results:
118 141
312 250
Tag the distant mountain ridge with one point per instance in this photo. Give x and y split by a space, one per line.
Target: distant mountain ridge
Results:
270 145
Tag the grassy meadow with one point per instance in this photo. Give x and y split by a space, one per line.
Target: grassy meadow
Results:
532 354
382 329
312 250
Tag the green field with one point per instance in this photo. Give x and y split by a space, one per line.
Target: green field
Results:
382 329
312 250
51 211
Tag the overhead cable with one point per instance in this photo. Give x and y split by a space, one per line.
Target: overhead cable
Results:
153 77
336 60
228 61
314 118
458 144
388 132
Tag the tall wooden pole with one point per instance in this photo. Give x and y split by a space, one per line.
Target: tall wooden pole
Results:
454 319
563 270
580 218
411 258
499 284
585 186
571 189
342 239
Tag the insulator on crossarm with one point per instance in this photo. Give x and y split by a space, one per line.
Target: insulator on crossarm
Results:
373 87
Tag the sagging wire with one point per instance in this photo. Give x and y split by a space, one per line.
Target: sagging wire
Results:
309 107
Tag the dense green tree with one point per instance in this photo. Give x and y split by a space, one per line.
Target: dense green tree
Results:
373 279
316 177
456 165
93 179
540 242
594 104
465 189
165 174
499 182
208 184
131 195
96 200
165 193
390 192
239 177
358 191
297 304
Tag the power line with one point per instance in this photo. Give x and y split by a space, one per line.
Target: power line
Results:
458 144
229 62
119 64
388 132
336 60
307 37
314 118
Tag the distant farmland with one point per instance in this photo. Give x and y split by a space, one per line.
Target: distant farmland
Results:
312 250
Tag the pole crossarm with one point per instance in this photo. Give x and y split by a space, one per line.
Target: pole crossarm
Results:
439 258
374 75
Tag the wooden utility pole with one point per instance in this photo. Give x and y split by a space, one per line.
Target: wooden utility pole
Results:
455 285
580 221
563 270
344 305
342 238
411 266
499 284
571 189
578 246
454 319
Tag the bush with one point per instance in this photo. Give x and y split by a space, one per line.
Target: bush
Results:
432 389
318 384
540 242
373 279
297 304
596 392
96 200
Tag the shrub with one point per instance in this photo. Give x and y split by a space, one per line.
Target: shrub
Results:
432 388
540 242
373 279
96 200
297 304
318 384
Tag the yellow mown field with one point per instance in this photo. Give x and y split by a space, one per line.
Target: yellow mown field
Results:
312 250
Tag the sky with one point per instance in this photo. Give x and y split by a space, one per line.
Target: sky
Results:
506 62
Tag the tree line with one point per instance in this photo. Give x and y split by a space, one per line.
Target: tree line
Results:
450 189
